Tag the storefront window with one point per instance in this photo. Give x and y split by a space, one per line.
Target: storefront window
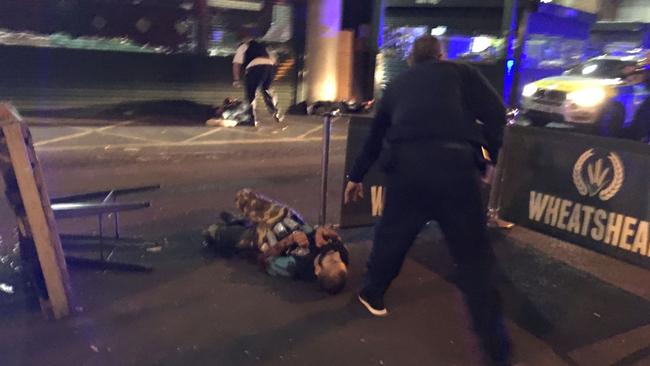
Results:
143 26
398 41
456 45
552 52
624 40
481 48
269 21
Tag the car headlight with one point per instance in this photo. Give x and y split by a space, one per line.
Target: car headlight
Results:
529 90
590 97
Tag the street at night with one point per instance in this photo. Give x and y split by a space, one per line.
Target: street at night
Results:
324 182
565 305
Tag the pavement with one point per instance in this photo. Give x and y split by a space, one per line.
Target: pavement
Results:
565 305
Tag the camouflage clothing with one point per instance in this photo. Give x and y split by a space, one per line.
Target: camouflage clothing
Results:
265 223
267 215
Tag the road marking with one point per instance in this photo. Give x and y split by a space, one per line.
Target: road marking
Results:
131 137
202 135
62 138
80 134
188 144
310 132
246 131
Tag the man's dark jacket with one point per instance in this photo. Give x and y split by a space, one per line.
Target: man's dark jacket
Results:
440 101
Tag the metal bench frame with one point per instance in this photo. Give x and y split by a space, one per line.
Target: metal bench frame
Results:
81 206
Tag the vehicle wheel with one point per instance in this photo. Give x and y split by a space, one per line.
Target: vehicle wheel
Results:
612 119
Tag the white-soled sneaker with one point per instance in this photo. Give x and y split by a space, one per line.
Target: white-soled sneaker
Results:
278 117
374 304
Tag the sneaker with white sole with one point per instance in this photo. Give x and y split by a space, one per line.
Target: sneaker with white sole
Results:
374 304
279 118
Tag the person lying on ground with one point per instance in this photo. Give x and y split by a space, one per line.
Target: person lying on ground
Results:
281 241
231 113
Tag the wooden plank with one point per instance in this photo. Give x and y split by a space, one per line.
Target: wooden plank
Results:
37 208
8 114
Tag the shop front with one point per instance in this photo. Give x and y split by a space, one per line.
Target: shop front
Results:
52 46
471 31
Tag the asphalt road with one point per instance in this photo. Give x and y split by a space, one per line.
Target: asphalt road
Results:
566 305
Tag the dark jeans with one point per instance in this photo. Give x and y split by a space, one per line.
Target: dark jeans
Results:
261 76
428 180
234 238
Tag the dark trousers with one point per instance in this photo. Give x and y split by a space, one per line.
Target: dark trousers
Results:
232 238
428 181
257 77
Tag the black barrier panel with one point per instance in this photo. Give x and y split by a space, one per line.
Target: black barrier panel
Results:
367 211
583 189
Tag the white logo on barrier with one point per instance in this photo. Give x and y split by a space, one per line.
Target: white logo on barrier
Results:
604 177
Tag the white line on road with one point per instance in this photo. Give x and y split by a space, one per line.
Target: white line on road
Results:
62 138
310 132
188 144
80 134
131 137
245 131
202 135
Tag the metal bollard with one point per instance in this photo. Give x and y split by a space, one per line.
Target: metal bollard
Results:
327 130
494 204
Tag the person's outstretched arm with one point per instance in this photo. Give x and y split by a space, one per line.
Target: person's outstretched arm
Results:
236 71
488 107
275 261
371 150
237 62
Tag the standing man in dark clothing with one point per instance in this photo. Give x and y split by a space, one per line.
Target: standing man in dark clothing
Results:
428 118
259 71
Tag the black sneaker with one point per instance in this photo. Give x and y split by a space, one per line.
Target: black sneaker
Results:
374 304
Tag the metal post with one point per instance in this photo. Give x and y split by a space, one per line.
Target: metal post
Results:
494 203
101 237
327 129
116 223
509 32
202 15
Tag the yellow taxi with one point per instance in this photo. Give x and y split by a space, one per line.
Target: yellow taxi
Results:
600 95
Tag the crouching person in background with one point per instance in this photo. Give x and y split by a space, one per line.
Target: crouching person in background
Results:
282 242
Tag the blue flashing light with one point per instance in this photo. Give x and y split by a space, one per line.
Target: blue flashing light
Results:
510 67
508 80
382 21
217 36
